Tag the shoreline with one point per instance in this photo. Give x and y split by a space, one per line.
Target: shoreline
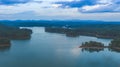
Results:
100 47
4 45
94 47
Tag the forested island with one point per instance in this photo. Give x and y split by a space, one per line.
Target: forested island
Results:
8 33
93 46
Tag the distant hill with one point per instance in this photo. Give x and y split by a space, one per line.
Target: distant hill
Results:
46 23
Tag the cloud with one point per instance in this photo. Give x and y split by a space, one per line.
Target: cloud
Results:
92 6
76 3
60 9
11 2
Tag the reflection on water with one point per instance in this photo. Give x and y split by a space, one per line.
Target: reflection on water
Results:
75 51
92 50
114 50
98 50
4 49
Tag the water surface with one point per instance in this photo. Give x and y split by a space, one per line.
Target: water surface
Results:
46 49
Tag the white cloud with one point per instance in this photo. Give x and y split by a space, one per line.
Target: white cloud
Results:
89 8
47 10
101 7
105 1
54 0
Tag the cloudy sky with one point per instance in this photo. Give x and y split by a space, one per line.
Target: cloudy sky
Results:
107 10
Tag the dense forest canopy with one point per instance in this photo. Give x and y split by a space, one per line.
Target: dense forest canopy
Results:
8 33
14 32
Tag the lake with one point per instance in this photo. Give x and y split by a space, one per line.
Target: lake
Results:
46 49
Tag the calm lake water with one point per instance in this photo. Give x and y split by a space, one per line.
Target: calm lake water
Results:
56 50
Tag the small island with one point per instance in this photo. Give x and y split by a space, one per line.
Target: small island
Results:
92 44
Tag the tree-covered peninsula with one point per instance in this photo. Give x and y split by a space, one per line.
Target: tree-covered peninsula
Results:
115 45
8 33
